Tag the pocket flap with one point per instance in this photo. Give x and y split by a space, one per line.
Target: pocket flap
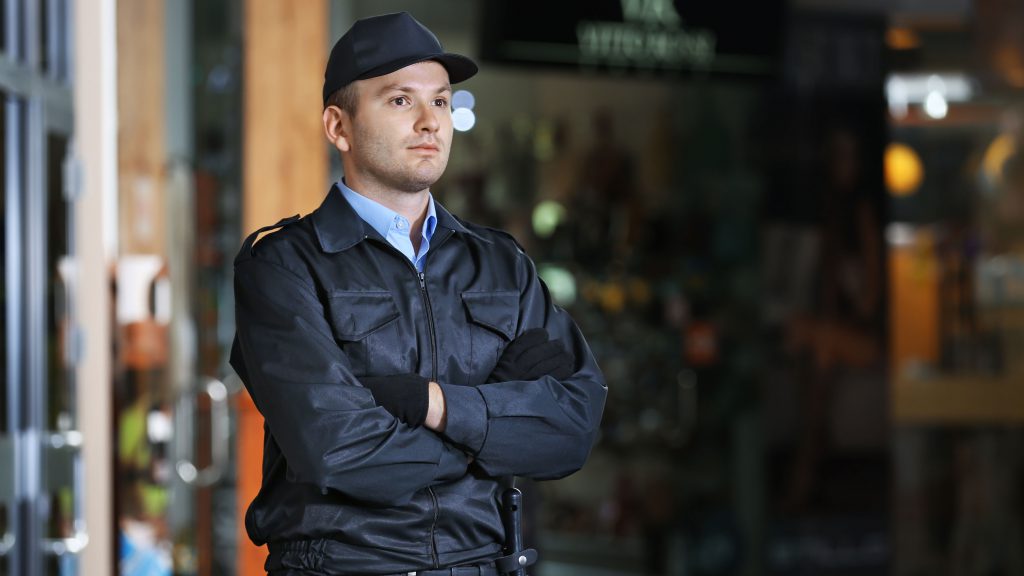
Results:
356 315
494 310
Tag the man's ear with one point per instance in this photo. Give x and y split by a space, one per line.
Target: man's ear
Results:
337 127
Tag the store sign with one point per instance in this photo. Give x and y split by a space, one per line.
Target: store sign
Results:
652 35
668 35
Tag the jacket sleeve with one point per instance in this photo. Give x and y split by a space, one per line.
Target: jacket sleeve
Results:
327 426
541 428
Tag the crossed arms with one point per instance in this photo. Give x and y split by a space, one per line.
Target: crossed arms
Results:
381 439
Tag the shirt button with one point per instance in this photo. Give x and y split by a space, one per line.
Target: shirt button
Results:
400 223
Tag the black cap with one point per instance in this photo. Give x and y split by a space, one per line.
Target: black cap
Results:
379 45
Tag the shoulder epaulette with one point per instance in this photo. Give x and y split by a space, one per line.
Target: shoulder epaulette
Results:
246 251
508 235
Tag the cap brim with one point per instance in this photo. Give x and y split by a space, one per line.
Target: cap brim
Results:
458 66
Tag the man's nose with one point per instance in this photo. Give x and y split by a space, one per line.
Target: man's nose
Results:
427 119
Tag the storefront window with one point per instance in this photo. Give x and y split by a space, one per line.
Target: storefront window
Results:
954 178
639 198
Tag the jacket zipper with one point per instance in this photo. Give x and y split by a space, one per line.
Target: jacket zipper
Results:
433 528
426 305
433 378
430 324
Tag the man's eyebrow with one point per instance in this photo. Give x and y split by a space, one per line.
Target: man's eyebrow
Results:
403 88
393 88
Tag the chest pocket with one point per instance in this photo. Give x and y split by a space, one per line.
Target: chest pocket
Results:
362 323
493 318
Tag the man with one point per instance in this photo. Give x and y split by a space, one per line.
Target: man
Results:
405 361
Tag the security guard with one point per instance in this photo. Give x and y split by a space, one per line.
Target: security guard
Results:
405 361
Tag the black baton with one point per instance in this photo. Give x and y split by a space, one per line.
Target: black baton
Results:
516 559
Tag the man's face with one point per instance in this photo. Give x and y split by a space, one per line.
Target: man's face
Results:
400 135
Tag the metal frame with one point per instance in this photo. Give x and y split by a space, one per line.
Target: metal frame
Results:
15 316
38 103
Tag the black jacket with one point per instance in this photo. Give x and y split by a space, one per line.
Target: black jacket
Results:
349 489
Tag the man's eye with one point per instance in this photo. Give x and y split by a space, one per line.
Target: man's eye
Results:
441 103
401 101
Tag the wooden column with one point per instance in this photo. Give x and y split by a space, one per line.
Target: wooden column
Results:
285 157
141 150
285 170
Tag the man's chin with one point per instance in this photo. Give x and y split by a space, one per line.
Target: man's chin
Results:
416 185
421 180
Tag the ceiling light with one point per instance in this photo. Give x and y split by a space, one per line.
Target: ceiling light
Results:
935 105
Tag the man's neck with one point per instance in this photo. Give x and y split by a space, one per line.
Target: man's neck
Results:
410 205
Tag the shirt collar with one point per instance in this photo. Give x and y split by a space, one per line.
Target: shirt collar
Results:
339 227
430 223
383 218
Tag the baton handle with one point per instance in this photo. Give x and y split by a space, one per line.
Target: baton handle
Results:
512 502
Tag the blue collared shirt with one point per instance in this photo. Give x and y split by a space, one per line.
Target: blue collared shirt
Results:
393 226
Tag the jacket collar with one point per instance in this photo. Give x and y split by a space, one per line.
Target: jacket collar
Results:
339 228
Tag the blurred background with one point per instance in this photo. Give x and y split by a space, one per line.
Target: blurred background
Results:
792 231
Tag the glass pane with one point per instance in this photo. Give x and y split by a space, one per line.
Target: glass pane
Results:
60 458
44 35
3 266
6 453
60 409
217 30
16 33
62 37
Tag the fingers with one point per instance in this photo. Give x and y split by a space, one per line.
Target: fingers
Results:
532 355
549 358
525 342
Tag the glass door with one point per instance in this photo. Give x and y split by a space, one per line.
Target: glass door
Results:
178 74
41 475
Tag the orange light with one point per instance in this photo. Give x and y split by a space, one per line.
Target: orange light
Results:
903 169
902 39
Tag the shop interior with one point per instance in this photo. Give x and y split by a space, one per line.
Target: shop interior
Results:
792 233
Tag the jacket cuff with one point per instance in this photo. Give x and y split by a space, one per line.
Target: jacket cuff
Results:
466 414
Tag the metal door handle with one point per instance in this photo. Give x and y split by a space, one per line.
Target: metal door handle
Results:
220 429
7 493
70 440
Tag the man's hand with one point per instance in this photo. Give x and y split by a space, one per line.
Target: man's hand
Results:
405 396
411 398
532 355
437 411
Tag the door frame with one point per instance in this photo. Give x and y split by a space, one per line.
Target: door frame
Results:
95 49
36 78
